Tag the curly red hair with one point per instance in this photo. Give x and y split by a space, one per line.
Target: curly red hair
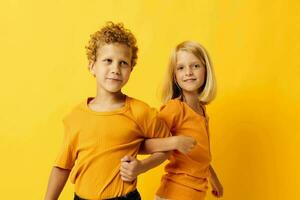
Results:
111 33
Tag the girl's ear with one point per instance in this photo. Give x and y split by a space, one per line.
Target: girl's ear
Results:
92 68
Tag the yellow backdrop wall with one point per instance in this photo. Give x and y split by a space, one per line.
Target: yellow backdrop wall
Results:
255 119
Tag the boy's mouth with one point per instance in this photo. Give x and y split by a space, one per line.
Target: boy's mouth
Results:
114 79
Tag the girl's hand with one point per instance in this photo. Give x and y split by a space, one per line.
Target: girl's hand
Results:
130 168
184 144
217 188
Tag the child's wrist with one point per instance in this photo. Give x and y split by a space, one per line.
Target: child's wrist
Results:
143 166
175 142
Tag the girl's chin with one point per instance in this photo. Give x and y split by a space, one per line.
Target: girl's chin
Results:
189 90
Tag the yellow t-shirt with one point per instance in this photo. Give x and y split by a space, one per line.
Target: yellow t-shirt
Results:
190 170
95 142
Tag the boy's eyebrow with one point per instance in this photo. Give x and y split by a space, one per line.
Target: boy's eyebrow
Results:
122 60
125 59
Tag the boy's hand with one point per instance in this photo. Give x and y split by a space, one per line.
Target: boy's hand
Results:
130 168
217 188
184 144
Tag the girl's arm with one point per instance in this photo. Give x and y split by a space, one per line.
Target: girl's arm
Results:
184 144
57 181
132 167
217 188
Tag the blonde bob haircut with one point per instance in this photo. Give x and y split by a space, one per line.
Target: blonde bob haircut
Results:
171 89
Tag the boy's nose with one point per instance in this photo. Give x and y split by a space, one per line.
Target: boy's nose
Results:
115 68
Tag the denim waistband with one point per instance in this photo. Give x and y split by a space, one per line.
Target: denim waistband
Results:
134 195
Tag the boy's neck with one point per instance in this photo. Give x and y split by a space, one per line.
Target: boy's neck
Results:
107 100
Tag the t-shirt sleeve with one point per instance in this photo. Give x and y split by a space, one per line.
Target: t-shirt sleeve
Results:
152 126
170 113
66 156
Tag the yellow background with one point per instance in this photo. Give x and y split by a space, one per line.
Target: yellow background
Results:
255 121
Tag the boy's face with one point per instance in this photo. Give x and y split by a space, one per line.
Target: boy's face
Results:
112 67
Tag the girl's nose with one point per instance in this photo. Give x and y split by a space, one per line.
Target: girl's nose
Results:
188 71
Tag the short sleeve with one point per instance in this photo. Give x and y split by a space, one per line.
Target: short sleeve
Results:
66 156
154 127
171 113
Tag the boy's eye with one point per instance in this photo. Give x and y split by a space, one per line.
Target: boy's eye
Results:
123 63
107 60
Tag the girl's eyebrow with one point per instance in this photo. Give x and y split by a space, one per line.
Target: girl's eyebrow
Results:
192 63
196 62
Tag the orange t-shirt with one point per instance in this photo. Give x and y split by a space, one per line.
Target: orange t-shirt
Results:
95 142
190 170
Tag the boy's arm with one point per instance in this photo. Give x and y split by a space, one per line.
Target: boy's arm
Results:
217 188
184 144
57 181
132 167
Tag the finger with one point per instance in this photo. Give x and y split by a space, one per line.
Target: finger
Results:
214 192
125 159
218 194
130 165
131 158
126 171
221 193
127 178
182 151
125 165
125 175
186 151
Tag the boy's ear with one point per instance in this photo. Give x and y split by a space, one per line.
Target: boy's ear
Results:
91 68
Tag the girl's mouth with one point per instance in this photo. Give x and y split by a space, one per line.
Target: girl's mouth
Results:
189 80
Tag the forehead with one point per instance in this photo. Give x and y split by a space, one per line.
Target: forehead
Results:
114 49
183 57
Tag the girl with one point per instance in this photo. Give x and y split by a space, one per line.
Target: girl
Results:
189 86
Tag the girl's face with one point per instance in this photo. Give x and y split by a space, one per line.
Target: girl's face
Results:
189 72
112 67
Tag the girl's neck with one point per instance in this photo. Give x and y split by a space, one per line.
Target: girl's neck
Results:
191 98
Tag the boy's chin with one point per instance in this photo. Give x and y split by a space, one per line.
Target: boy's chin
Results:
113 90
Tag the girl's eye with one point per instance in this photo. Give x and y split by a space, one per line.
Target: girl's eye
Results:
196 65
179 67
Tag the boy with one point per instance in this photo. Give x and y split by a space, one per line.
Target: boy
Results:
102 130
